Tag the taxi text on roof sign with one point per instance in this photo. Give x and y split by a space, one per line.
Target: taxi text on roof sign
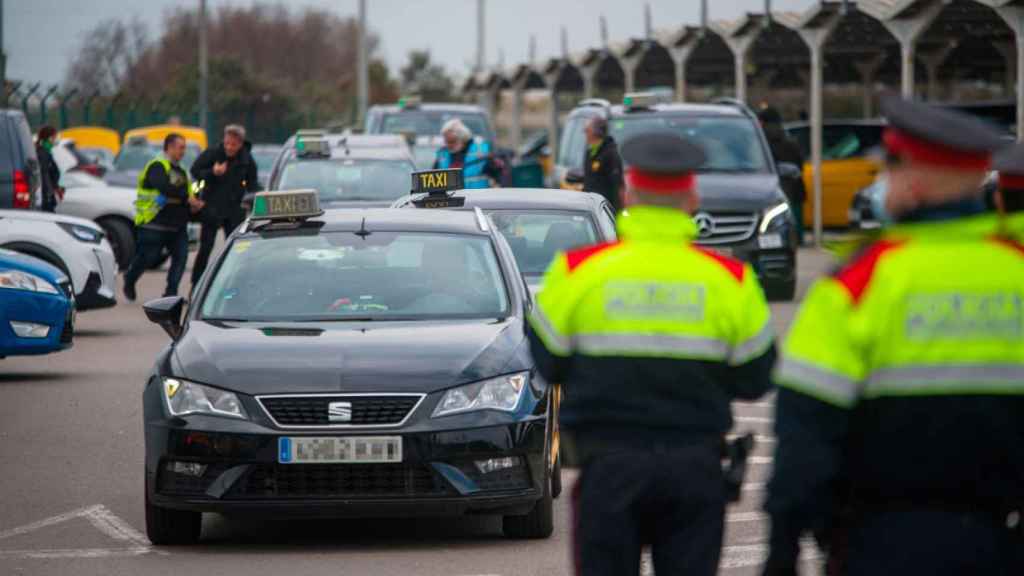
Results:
286 205
437 181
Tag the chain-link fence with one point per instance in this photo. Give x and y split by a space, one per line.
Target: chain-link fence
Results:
51 105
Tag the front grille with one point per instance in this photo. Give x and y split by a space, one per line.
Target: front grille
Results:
339 480
727 227
381 410
67 335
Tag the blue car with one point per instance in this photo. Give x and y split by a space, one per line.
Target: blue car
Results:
37 306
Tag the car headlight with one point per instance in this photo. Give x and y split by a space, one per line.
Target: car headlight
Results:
774 217
184 397
18 280
82 233
502 393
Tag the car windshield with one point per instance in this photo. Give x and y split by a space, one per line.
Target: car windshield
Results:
264 159
340 180
423 156
428 123
135 156
731 144
536 236
349 276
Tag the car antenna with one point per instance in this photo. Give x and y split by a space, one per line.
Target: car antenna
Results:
363 232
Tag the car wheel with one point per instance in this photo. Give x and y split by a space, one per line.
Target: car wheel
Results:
122 240
783 291
556 478
538 524
166 527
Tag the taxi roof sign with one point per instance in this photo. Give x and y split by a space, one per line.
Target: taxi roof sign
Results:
410 102
437 181
286 205
644 99
437 184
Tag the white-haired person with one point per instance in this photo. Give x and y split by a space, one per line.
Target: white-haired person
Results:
472 154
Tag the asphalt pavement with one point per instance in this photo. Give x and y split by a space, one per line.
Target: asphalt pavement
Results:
71 482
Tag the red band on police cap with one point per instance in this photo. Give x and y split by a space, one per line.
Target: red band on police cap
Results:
925 152
1011 182
660 183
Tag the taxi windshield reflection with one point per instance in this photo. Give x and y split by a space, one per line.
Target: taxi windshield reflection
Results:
337 276
536 236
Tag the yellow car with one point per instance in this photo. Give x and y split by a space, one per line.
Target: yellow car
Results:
847 166
156 134
93 137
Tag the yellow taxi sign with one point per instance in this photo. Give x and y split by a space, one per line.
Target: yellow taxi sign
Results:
286 205
437 181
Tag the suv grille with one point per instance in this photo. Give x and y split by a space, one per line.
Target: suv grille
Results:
339 480
381 410
725 227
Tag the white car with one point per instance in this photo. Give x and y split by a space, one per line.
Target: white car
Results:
76 246
112 207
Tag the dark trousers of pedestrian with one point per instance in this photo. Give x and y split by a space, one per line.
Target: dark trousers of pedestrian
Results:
670 499
935 543
150 244
207 238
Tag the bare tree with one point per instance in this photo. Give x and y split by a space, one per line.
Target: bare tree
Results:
109 54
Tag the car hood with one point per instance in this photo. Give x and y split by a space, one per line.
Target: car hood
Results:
98 201
37 216
423 357
127 178
738 192
11 260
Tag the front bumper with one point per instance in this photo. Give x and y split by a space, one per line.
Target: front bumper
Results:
56 312
437 476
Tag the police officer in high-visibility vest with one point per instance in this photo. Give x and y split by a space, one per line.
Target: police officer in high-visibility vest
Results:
472 154
900 412
652 337
162 206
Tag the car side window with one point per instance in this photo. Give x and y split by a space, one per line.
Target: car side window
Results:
606 221
570 150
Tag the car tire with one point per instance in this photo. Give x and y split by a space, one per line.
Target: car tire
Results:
166 527
165 255
538 524
121 236
783 291
556 478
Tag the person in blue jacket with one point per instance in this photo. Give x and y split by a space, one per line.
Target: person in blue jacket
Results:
472 155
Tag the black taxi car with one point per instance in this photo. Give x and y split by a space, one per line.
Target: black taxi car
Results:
349 363
537 223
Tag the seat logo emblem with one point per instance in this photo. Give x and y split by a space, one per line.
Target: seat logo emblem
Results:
705 224
339 412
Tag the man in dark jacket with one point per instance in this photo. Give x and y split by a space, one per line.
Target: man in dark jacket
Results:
52 193
228 173
785 149
602 165
163 205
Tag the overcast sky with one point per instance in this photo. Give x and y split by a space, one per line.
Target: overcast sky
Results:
40 36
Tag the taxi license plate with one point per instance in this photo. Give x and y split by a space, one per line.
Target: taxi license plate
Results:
339 449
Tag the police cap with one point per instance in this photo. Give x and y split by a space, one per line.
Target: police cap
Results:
930 135
661 162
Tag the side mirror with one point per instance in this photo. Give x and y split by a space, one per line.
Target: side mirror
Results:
789 170
574 176
167 313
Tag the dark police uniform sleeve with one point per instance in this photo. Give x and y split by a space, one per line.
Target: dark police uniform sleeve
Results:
158 179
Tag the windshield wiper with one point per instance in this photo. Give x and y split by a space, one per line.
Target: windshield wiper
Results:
225 319
337 319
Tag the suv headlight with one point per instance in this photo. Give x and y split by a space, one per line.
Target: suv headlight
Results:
82 233
774 217
184 397
18 280
502 393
